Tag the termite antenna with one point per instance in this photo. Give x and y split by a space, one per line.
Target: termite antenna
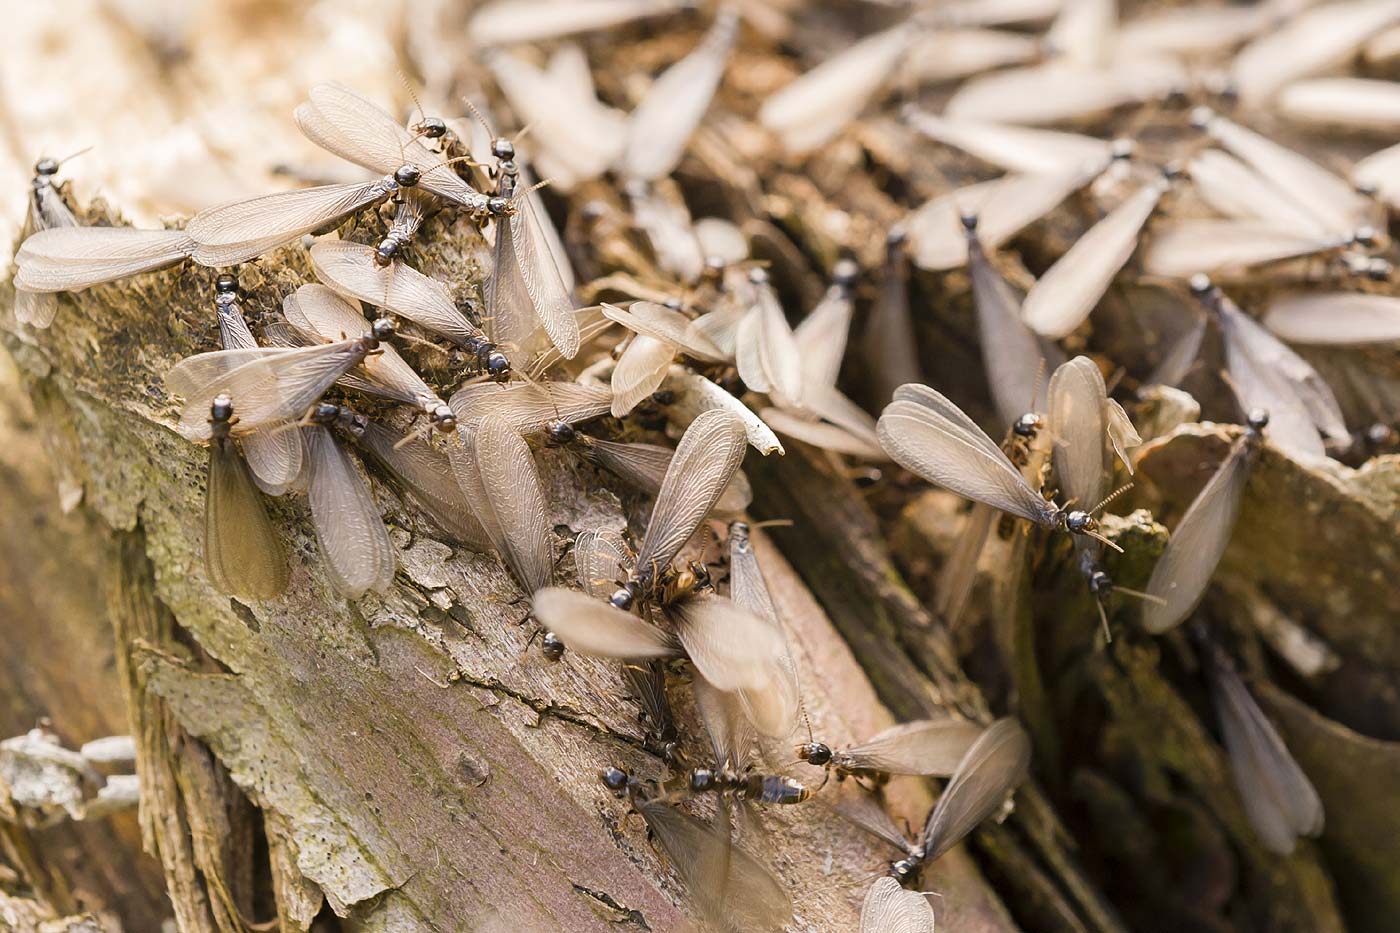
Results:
1102 540
1110 497
480 117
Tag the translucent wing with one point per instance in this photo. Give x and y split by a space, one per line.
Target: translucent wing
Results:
926 746
1063 92
826 436
721 239
603 561
598 628
662 323
864 812
1343 318
731 889
736 650
706 460
639 372
275 456
1278 797
1180 356
1079 428
1381 172
950 54
1083 32
73 258
1012 354
926 433
350 268
1068 291
1225 249
1196 546
1015 148
1313 41
779 356
242 553
505 493
731 735
1234 189
1334 203
347 125
1194 30
529 407
659 211
526 286
427 476
958 577
512 22
349 529
821 337
274 387
645 466
749 591
818 105
1121 433
993 767
663 122
237 231
888 908
695 395
889 347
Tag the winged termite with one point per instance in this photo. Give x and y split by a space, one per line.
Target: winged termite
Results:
888 346
1064 92
242 553
926 746
526 292
1334 203
659 211
766 351
749 786
1342 318
413 208
353 269
497 473
1278 797
694 395
1184 570
349 530
813 109
644 465
1266 374
529 407
662 124
929 435
951 54
69 259
1014 148
424 473
1013 355
511 22
1314 41
661 333
1354 103
749 590
731 889
274 456
993 766
1230 250
822 334
1068 292
1235 190
47 211
323 316
1004 207
888 908
269 387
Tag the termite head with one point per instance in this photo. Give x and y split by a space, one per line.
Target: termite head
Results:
1100 583
1257 419
814 753
846 271
758 276
386 251
969 222
552 647
1028 425
221 413
407 175
624 596
560 433
325 413
443 418
1381 435
664 397
431 127
1080 522
904 870
1201 286
1364 236
616 780
1122 149
46 167
702 779
497 365
381 330
498 206
502 149
226 284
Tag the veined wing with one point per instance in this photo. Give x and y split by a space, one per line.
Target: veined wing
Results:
645 466
350 268
537 278
663 323
926 746
1234 189
73 258
823 435
821 337
509 501
1196 546
659 211
737 651
1315 40
238 231
1069 290
994 766
593 627
275 456
888 908
1225 248
639 372
663 122
603 561
529 407
1064 92
695 395
349 529
1078 428
706 460
242 553
1342 318
926 433
427 476
731 734
1015 148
